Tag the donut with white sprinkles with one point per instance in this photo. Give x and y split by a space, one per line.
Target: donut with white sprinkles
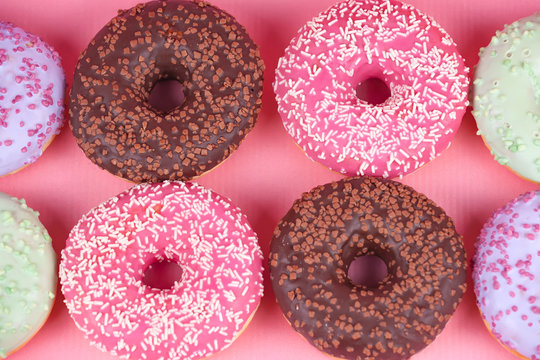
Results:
357 40
111 247
31 97
334 224
194 43
507 275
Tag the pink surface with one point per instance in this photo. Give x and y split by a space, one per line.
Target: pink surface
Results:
268 171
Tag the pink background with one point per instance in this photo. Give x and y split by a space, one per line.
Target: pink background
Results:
268 172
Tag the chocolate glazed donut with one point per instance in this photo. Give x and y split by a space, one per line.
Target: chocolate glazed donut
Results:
334 224
203 48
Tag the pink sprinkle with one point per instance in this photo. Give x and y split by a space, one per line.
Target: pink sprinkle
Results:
535 309
24 149
496 284
532 299
32 106
8 142
530 236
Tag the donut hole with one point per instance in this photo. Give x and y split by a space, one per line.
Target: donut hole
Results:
162 274
373 90
166 95
367 270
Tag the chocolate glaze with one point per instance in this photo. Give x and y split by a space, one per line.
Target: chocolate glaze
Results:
197 44
332 225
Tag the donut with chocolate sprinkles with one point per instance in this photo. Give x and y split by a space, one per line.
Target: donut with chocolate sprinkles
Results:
194 43
334 224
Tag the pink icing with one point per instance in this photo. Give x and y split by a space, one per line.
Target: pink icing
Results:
353 41
108 250
31 97
507 274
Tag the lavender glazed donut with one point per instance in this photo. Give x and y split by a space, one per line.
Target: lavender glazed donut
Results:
31 97
507 275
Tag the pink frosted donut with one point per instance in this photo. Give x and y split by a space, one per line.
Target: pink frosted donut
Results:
354 41
507 275
31 97
110 248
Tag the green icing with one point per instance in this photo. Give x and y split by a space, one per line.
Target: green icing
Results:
507 96
27 273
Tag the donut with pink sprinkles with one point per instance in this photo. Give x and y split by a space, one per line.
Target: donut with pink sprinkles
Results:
507 275
31 97
109 250
351 43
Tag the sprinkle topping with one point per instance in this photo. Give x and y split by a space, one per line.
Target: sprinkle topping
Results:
31 97
110 248
353 41
332 225
507 274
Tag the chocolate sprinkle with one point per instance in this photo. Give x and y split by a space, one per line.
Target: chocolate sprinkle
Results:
331 226
196 44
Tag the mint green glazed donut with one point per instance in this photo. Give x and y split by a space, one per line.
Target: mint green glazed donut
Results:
507 96
27 274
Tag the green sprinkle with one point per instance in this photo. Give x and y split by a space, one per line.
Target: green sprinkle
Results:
493 53
536 142
501 160
6 217
47 237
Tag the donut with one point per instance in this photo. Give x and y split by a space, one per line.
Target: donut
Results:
27 274
349 44
507 97
334 224
31 97
109 250
506 275
196 44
